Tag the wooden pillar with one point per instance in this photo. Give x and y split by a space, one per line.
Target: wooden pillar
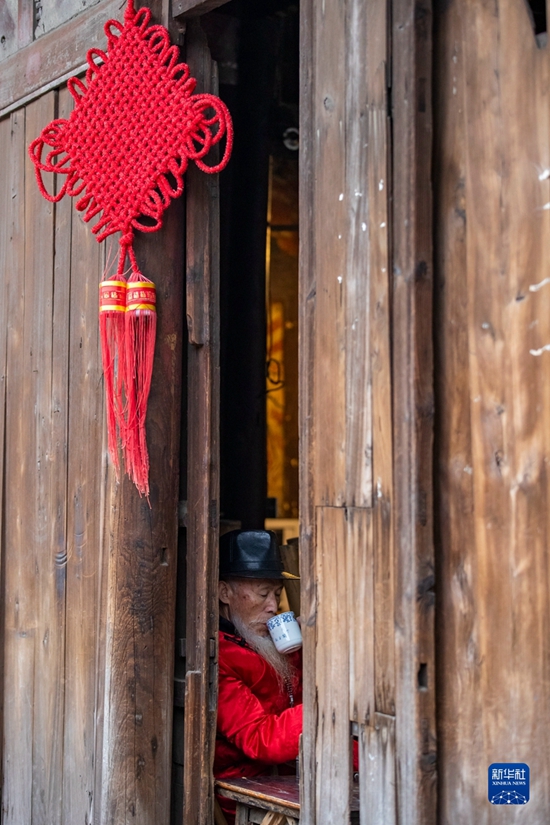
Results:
492 324
203 476
412 363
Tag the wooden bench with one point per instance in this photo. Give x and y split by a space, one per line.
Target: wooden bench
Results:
270 800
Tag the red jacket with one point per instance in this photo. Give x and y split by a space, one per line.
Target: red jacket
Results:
259 723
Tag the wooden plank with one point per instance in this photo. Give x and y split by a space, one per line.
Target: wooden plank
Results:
306 348
142 574
378 187
332 207
5 225
333 745
51 15
377 783
49 596
19 601
55 54
203 481
79 270
192 8
8 28
413 410
455 513
364 228
358 552
497 395
25 22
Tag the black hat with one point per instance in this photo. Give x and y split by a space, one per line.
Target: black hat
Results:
251 554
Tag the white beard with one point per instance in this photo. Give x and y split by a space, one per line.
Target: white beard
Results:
263 645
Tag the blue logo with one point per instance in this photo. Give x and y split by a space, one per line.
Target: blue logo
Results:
508 783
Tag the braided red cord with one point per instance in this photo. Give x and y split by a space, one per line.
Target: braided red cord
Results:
124 150
135 122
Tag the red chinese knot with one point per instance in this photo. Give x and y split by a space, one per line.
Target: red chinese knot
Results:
123 151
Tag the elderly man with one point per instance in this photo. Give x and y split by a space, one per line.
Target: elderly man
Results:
260 689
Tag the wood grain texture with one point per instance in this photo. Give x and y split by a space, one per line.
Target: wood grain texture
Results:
377 779
202 249
306 342
18 642
333 749
413 411
493 400
55 54
142 575
40 487
346 376
358 597
330 215
5 225
84 568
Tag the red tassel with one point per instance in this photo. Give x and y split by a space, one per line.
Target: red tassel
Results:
140 331
112 309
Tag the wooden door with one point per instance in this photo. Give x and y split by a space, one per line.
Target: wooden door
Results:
366 411
88 568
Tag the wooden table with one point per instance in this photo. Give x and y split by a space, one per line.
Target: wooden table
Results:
260 796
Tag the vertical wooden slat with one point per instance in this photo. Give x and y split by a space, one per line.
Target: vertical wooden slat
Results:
306 346
360 606
346 389
378 192
413 410
19 572
333 749
202 219
85 476
330 228
49 600
5 243
377 787
141 584
359 235
57 516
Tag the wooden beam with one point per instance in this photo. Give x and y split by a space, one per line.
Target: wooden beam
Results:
191 8
413 411
55 55
203 482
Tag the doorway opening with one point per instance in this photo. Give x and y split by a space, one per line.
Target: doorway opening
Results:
256 49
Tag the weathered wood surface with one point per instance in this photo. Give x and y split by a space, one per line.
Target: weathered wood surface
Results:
413 412
346 546
51 544
306 341
5 249
493 376
377 779
88 569
194 8
56 53
18 574
202 220
276 791
142 572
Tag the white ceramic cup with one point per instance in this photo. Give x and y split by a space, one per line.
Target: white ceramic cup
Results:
285 632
